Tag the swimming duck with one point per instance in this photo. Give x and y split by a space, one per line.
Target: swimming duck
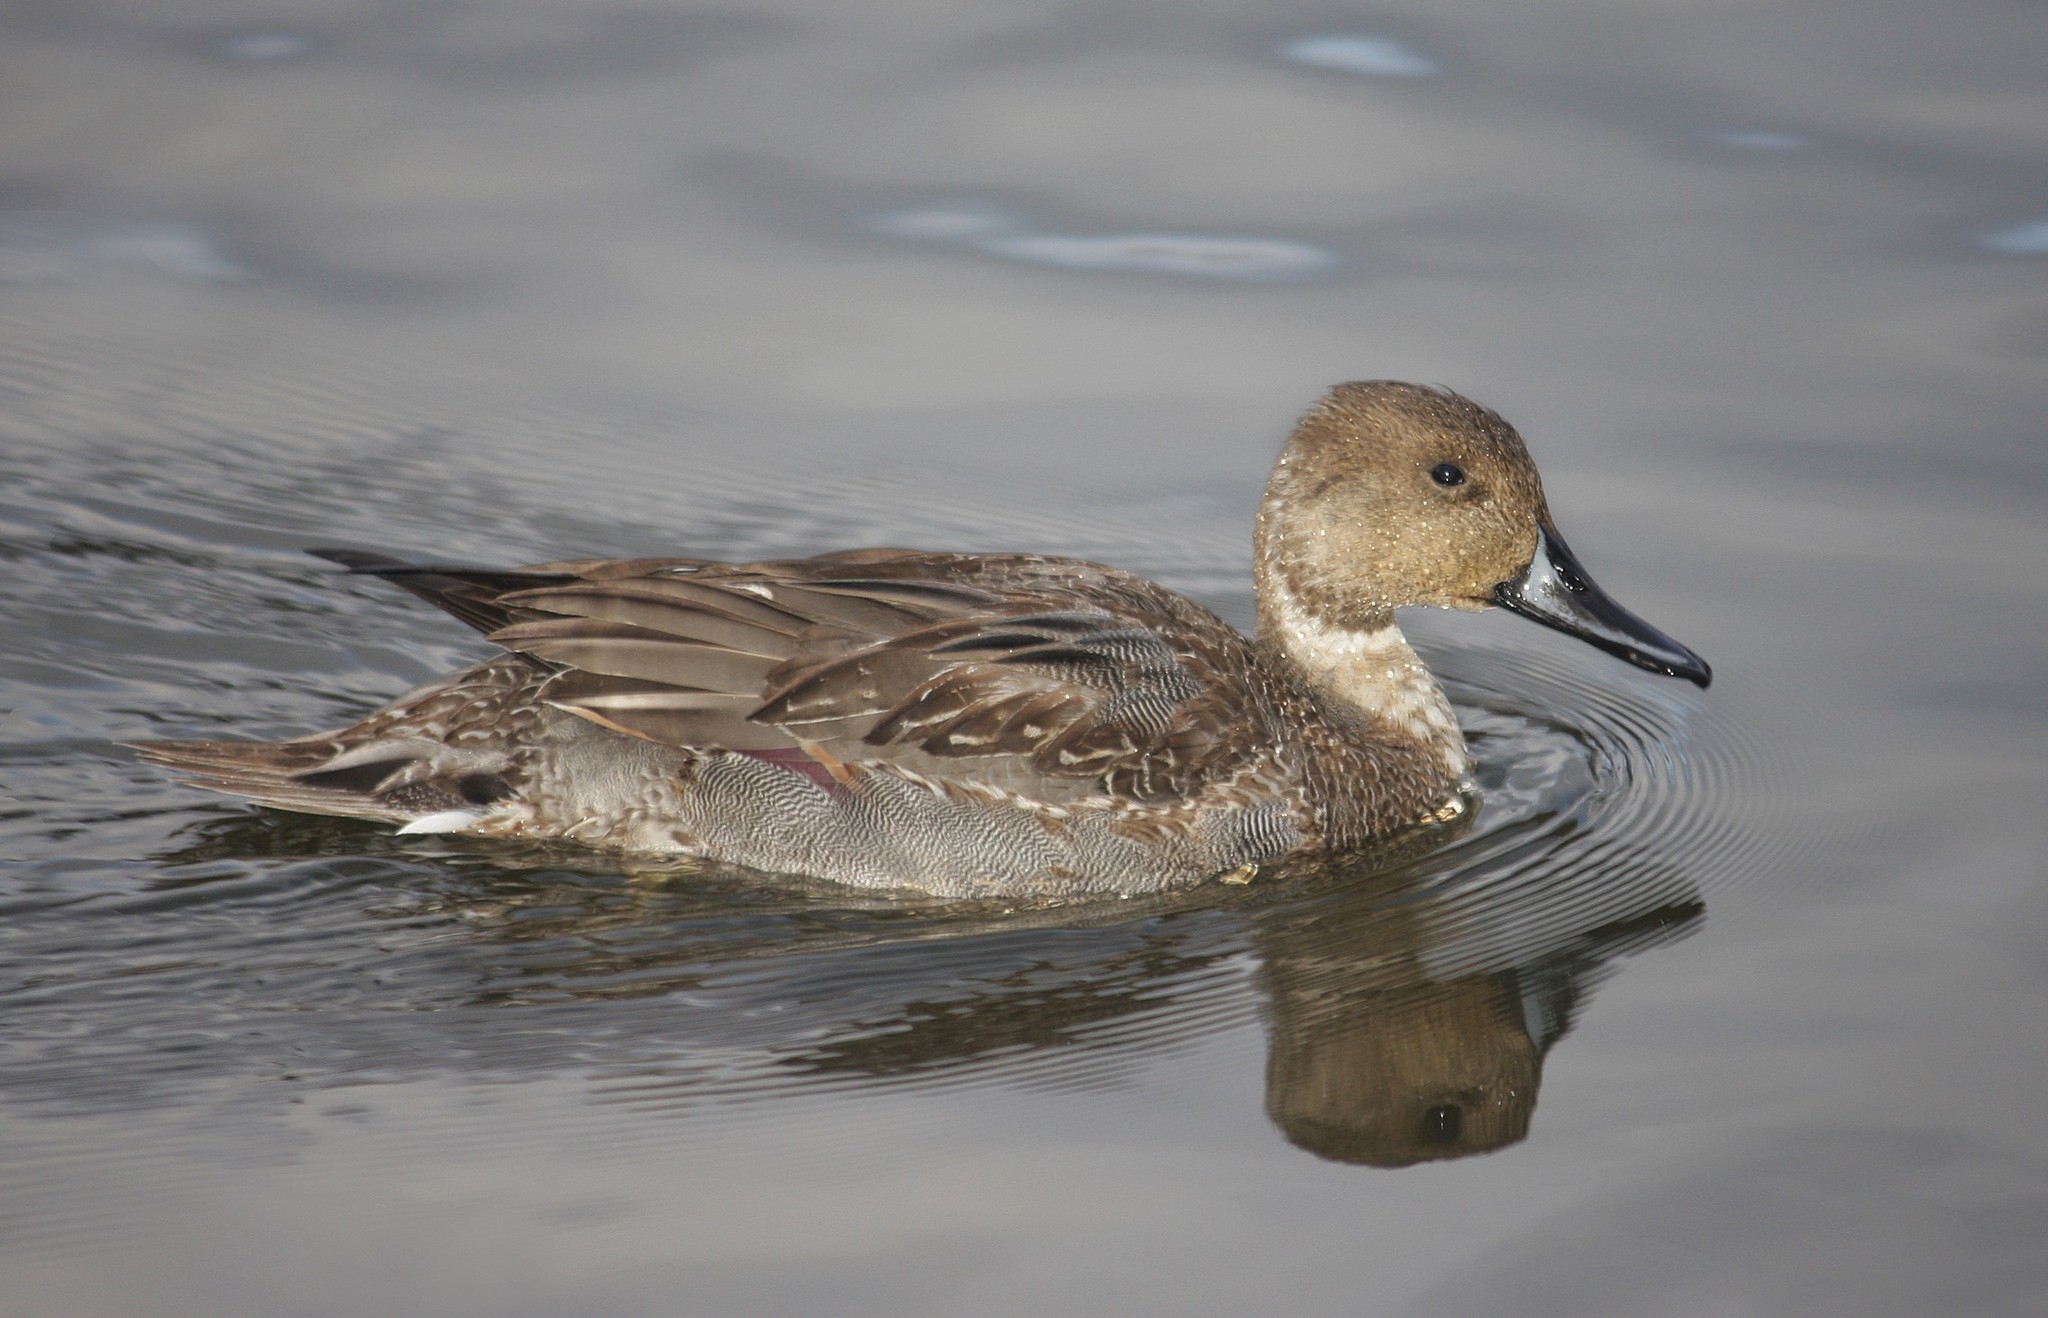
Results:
976 725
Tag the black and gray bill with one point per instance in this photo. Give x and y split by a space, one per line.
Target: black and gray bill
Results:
1555 591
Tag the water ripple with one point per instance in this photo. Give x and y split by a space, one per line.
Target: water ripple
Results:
1373 57
2028 238
37 248
998 232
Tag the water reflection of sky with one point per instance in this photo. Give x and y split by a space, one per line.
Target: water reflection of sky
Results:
504 282
1374 57
999 232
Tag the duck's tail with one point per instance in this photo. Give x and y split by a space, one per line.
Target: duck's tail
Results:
434 761
289 775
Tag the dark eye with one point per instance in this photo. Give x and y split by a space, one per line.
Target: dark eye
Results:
1447 474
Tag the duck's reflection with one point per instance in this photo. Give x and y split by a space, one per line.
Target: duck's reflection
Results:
1410 1003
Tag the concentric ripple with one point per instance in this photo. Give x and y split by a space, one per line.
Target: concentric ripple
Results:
1599 789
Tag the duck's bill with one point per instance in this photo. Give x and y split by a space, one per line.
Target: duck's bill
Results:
1555 591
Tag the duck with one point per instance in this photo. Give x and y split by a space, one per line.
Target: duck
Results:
980 725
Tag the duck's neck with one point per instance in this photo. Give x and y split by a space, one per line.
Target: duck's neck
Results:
1368 668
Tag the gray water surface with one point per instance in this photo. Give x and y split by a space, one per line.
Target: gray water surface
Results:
1727 1002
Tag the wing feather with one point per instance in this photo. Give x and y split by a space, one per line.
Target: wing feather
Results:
1043 675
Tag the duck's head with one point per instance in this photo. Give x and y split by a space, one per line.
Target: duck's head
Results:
1392 494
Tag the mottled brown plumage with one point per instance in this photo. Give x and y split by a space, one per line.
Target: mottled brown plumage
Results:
974 724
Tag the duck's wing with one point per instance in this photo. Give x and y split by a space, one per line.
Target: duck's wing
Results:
1050 677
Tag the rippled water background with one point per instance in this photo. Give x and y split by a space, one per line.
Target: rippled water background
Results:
1740 997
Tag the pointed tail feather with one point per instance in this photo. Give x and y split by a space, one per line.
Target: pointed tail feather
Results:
284 774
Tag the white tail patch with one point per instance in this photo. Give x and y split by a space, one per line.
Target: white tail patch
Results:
447 821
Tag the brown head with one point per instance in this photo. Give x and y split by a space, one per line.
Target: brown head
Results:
1392 494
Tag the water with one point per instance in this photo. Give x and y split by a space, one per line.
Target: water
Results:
1726 1002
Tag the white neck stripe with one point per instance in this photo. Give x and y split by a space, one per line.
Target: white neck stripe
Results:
1373 671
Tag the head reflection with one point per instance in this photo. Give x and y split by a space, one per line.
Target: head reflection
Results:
1404 1075
1408 1026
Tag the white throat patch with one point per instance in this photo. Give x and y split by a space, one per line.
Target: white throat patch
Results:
1376 672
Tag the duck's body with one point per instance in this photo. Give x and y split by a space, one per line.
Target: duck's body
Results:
971 725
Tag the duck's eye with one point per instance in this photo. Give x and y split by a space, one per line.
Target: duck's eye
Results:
1447 474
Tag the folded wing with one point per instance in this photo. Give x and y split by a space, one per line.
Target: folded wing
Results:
1049 677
